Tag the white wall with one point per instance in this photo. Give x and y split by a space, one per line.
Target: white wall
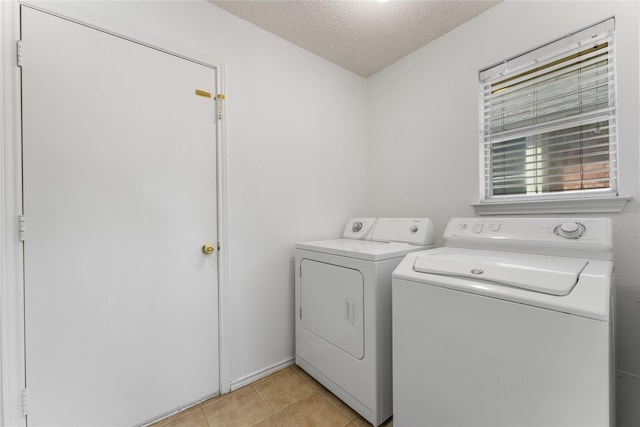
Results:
296 166
423 115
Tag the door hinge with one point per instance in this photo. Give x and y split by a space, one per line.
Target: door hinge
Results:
220 98
22 227
25 402
19 53
301 312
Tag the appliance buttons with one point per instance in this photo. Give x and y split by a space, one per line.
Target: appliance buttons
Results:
477 228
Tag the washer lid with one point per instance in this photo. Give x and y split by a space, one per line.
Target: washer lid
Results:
538 273
361 249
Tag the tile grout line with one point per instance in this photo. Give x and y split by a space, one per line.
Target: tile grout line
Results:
210 402
275 413
350 420
206 420
261 399
313 390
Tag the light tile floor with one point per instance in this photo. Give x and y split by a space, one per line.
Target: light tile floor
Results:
288 398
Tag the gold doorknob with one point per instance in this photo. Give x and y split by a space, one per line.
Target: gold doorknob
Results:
207 248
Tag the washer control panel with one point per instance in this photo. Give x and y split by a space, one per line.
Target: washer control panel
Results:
570 236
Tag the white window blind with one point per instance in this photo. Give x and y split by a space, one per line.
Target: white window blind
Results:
549 120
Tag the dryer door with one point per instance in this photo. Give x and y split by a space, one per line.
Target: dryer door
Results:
332 304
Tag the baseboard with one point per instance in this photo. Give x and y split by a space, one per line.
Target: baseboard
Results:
241 382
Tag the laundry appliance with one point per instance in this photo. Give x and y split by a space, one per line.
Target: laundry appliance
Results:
343 308
511 323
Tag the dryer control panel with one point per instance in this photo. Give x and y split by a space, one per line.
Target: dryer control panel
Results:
358 228
571 237
415 231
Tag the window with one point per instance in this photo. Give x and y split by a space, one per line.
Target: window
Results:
548 120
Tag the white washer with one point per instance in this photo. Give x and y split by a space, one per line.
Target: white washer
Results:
510 324
343 308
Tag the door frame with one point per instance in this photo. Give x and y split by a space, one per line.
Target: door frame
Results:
12 343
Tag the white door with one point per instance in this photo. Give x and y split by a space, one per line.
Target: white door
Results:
119 163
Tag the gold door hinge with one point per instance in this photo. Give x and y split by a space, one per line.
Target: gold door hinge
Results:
221 98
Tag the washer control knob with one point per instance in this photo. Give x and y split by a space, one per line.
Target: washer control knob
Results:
357 226
570 230
569 227
414 228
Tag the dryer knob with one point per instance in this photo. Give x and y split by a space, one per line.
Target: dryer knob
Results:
414 228
357 226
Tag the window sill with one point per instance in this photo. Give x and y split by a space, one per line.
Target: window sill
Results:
564 206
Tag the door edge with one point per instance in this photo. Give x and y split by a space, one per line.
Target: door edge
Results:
12 369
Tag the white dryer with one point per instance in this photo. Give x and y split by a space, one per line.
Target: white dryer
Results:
509 324
343 308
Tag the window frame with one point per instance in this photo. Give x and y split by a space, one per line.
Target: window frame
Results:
591 200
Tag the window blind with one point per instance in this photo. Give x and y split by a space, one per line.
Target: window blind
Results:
549 119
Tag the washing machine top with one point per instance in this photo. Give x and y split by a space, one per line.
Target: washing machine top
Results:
538 273
376 239
558 264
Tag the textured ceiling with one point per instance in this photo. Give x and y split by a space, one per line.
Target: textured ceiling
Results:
363 36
